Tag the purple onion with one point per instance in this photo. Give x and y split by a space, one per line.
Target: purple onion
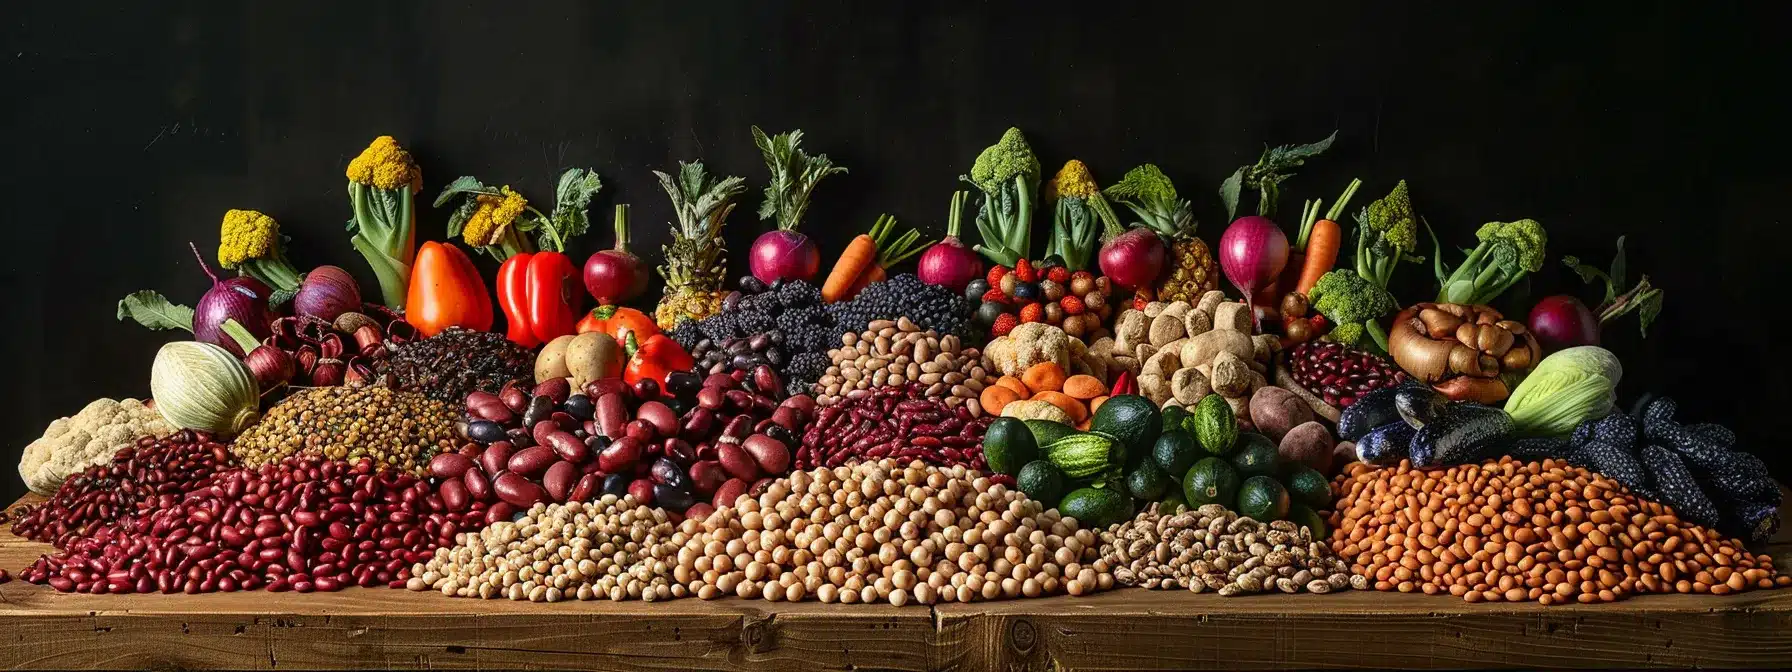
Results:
242 298
327 292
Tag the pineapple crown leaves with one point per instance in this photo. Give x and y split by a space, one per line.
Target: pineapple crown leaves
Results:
794 176
702 204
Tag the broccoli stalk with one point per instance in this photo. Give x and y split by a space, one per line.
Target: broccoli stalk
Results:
1508 252
382 182
1353 304
1387 234
1008 175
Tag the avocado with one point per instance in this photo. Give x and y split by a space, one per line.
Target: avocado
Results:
1308 486
1148 481
1211 481
1262 498
1176 451
1256 455
1008 445
1172 503
1096 508
1046 431
1175 418
1214 425
1041 482
1131 419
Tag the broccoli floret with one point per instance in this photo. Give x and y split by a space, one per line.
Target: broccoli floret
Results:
1008 175
1003 161
1353 304
1507 253
1387 234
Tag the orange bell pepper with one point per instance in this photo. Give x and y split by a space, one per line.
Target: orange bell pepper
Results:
654 358
446 291
618 322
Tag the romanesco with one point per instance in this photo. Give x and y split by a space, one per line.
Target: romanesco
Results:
1387 234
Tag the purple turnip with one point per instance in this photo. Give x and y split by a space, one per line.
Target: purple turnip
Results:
950 263
1562 321
616 276
1133 259
784 255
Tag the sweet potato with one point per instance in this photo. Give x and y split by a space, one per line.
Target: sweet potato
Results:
1014 385
1044 377
995 397
1064 402
1084 387
1096 403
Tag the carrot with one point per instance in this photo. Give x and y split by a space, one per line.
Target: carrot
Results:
995 397
1015 385
1075 409
1084 386
867 257
1044 377
1320 240
859 254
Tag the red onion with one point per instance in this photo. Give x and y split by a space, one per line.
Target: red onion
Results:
949 263
784 255
242 298
326 293
1252 254
1562 321
1133 259
615 276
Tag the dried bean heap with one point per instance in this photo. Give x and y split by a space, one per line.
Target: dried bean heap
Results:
898 422
304 524
449 365
395 429
784 325
1212 548
878 532
612 548
154 473
895 352
1514 531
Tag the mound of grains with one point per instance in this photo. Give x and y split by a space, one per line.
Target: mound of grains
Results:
395 429
1545 531
153 473
1212 548
612 548
449 365
878 532
897 352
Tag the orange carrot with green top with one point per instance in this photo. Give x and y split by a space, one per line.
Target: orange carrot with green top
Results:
1321 239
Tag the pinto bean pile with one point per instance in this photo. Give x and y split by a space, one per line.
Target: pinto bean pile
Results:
1512 531
897 352
897 422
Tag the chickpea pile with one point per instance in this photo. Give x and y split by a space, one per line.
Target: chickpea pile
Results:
401 430
611 548
1545 531
877 532
894 352
1212 548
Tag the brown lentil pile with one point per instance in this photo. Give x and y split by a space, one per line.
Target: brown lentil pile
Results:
402 430
1512 531
895 352
880 532
1212 548
611 548
449 365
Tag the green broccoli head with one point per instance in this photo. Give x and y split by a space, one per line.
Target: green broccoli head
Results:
1517 246
1394 229
1346 298
1003 161
1348 333
1144 184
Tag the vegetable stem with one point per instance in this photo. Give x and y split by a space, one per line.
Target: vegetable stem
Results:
241 335
621 223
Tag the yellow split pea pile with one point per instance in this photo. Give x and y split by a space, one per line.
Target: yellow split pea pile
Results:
1513 531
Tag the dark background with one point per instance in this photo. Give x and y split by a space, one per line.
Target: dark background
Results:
132 127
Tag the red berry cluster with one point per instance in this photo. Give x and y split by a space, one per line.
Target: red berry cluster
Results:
1076 301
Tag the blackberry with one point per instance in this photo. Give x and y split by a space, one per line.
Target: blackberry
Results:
687 334
805 368
799 294
749 323
809 328
1675 483
718 327
930 307
1615 462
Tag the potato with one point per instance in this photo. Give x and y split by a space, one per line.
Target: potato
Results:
1233 316
1309 443
1203 348
593 356
551 363
1231 376
1275 411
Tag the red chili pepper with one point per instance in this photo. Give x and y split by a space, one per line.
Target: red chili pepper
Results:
513 297
555 287
1123 384
654 358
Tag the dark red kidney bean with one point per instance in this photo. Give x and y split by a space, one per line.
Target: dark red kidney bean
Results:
455 495
642 489
729 491
699 511
740 400
771 455
568 447
516 490
585 488
641 430
737 461
520 438
590 426
612 415
559 480
707 475
477 485
759 486
565 421
540 431
557 389
622 454
801 402
697 424
449 465
647 389
712 397
514 397
788 417
721 381
664 421
767 381
471 451
531 462
678 450
496 457
487 406
603 386
706 451
501 511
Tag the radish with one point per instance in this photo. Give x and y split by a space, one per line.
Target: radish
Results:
615 276
1133 259
949 263
1252 254
784 255
1562 321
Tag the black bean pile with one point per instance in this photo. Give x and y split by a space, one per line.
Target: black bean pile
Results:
1696 468
783 325
449 365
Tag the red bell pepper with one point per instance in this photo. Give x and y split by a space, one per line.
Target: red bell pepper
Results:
446 291
618 322
654 358
1124 384
540 294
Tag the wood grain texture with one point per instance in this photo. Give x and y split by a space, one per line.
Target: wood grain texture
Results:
1129 629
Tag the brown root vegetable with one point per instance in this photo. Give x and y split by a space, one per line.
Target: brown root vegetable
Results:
1462 350
551 362
592 356
1309 443
1314 401
1275 411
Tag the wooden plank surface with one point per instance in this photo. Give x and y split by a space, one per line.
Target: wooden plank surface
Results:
1126 629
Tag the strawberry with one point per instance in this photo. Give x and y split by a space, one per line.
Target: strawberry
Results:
1072 305
996 295
1023 270
995 275
1139 303
1059 274
1032 312
1005 323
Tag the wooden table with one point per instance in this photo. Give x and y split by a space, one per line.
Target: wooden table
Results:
1125 629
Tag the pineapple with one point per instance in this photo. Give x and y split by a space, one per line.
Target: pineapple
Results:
1192 270
694 266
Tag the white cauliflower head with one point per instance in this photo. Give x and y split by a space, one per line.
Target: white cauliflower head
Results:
86 439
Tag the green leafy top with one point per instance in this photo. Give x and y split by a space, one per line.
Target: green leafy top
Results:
481 205
1009 158
150 309
794 176
701 204
1267 175
1150 194
1644 298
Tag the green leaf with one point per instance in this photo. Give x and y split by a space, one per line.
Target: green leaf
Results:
1617 273
150 309
1649 306
1230 190
1298 153
457 220
465 184
577 187
281 297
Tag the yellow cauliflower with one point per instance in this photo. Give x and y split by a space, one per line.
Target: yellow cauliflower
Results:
86 439
385 165
1028 344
